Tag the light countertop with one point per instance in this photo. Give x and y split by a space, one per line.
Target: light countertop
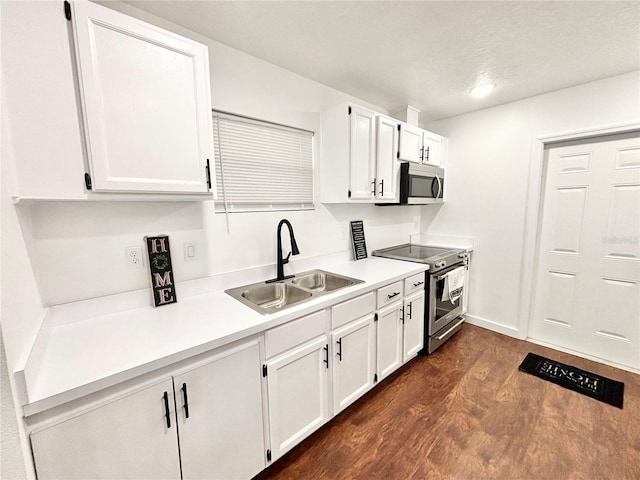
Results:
92 351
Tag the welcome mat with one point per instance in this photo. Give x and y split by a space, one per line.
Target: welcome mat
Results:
589 384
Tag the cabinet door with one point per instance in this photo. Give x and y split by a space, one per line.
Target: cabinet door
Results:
223 434
146 103
432 148
298 386
413 325
410 143
389 340
386 159
353 361
362 153
127 438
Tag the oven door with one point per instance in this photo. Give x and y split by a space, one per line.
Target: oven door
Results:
421 184
441 313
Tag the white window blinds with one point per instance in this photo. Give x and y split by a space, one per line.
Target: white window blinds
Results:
261 166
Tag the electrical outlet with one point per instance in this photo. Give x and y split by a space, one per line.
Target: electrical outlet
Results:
133 257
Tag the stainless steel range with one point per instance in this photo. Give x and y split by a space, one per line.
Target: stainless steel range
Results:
442 315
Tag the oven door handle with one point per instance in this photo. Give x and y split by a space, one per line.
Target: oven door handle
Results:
440 337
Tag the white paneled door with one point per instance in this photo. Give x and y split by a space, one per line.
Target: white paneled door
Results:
587 295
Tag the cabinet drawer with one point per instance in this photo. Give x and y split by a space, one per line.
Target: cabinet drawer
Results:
390 293
353 309
297 332
414 283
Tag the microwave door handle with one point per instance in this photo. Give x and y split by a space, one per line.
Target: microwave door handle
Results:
439 186
433 184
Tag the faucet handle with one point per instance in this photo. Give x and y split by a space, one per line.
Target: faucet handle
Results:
286 260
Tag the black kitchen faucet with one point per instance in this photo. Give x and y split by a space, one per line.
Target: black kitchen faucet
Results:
294 250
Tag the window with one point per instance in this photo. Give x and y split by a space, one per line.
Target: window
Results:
261 166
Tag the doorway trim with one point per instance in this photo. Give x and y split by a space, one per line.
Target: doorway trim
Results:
532 210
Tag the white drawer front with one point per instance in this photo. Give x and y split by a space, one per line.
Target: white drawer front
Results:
390 293
352 309
297 332
414 283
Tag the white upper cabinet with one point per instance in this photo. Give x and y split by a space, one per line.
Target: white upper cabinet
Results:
362 133
420 146
431 148
146 104
410 143
359 156
387 166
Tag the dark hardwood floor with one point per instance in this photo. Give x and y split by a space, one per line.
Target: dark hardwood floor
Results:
466 412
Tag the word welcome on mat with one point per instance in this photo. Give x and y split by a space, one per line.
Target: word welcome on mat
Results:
589 384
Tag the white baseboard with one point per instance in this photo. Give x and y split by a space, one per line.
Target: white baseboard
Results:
494 326
583 355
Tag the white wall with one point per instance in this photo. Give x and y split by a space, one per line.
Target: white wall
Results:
488 174
77 249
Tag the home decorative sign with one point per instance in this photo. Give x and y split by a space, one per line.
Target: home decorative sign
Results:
162 282
357 237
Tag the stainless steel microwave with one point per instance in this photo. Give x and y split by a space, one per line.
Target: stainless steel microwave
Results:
420 185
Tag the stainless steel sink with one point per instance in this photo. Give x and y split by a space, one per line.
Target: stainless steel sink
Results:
319 281
273 297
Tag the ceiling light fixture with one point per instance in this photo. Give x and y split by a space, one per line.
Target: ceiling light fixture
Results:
482 90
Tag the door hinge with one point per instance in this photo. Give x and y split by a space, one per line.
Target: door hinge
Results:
208 170
349 109
87 181
268 455
375 378
375 317
349 194
264 370
67 10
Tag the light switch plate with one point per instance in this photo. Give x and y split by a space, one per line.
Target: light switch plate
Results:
190 252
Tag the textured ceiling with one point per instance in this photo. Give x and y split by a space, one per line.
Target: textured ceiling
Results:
426 54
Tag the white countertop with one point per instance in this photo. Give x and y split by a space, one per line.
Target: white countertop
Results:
88 352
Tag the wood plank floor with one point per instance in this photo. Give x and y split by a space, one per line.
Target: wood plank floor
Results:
466 412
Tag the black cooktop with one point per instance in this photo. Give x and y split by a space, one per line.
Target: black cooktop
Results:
433 256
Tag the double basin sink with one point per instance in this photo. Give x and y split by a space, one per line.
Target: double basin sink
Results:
273 297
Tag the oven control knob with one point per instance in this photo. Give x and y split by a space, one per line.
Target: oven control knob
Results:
441 264
462 255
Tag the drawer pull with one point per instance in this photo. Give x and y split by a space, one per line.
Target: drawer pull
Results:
391 295
417 284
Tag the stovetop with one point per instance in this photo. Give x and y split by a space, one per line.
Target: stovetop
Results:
436 257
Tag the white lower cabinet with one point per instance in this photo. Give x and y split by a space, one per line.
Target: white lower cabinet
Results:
389 340
298 386
206 418
136 436
219 411
413 325
353 361
129 438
